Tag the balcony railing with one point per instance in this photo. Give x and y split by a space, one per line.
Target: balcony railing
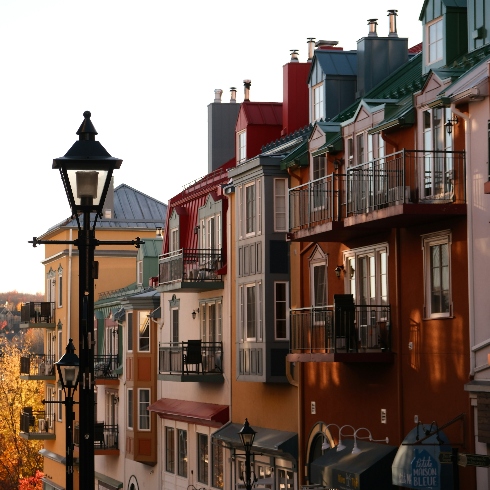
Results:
37 365
41 313
191 357
190 265
407 176
36 422
333 329
105 366
105 436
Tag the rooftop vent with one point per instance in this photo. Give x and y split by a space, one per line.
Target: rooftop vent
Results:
247 84
322 44
294 56
392 14
217 95
311 47
233 95
372 27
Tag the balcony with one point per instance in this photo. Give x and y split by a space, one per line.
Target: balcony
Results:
106 438
105 369
401 189
37 315
341 333
36 425
191 270
191 361
37 366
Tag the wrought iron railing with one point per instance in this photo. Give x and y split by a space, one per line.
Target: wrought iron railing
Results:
191 357
36 422
406 176
105 366
38 365
196 265
37 312
331 329
106 436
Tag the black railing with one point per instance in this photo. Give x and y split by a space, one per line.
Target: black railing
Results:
106 436
195 265
38 365
36 422
37 312
105 366
333 329
191 357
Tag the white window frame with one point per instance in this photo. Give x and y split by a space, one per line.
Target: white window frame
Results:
50 411
286 309
436 27
350 151
60 405
174 240
241 146
60 287
143 321
202 459
174 311
170 450
243 301
139 272
252 209
318 259
130 408
318 107
205 308
143 413
280 205
182 463
428 242
360 149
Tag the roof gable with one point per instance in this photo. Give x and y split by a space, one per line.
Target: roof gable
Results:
260 114
332 63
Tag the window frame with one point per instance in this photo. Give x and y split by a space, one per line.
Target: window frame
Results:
129 325
285 320
147 322
318 106
217 465
139 272
438 42
250 209
143 413
280 206
241 146
60 287
130 408
428 242
202 458
170 449
182 453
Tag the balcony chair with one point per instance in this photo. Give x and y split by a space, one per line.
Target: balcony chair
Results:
193 356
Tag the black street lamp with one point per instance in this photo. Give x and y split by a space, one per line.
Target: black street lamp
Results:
68 368
247 436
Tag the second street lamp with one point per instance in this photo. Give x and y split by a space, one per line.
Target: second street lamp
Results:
68 367
247 436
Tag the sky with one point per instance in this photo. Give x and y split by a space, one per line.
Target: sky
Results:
147 71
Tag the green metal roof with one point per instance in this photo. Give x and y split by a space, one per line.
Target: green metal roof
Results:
298 157
400 114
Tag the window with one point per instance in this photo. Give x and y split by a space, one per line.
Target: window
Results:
242 146
144 331
251 312
130 332
60 287
174 240
250 299
50 407
350 152
182 452
170 449
139 272
130 408
217 468
360 148
51 286
202 458
280 204
174 315
437 273
60 406
281 310
318 106
318 277
434 41
250 209
211 320
143 413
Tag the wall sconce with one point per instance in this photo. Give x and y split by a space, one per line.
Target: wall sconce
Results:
194 313
449 125
355 449
159 232
196 230
338 270
116 399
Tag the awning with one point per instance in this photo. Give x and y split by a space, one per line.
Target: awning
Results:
371 468
110 482
209 414
269 441
299 157
157 313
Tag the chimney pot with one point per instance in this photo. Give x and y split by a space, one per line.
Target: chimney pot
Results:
294 56
311 47
233 95
372 27
217 95
247 84
392 14
322 44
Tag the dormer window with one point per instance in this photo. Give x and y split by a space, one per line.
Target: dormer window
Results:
318 107
434 41
242 146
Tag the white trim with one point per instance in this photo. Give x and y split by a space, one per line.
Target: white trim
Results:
146 413
278 210
286 309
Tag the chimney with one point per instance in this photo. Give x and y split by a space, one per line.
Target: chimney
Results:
311 47
294 56
232 95
246 84
322 44
392 14
217 95
372 27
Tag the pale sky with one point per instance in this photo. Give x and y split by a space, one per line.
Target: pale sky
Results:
147 71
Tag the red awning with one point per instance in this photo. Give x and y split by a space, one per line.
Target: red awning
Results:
192 412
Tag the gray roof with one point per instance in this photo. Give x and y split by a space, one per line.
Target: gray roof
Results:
336 63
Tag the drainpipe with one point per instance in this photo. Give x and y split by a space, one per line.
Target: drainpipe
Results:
469 227
68 302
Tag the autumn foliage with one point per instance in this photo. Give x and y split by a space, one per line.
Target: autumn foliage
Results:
32 482
19 458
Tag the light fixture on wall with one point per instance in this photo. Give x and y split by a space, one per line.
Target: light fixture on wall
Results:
159 232
194 313
196 229
451 122
338 270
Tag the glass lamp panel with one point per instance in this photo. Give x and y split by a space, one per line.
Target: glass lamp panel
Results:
87 186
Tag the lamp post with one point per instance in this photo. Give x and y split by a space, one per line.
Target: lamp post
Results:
68 368
247 436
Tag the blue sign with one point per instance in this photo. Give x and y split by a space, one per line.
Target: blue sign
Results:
425 470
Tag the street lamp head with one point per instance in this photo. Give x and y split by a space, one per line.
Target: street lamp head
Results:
68 367
247 435
86 171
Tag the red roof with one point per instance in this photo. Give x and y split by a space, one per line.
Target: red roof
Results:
415 49
263 113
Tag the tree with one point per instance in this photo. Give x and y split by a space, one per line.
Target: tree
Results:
19 458
32 482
